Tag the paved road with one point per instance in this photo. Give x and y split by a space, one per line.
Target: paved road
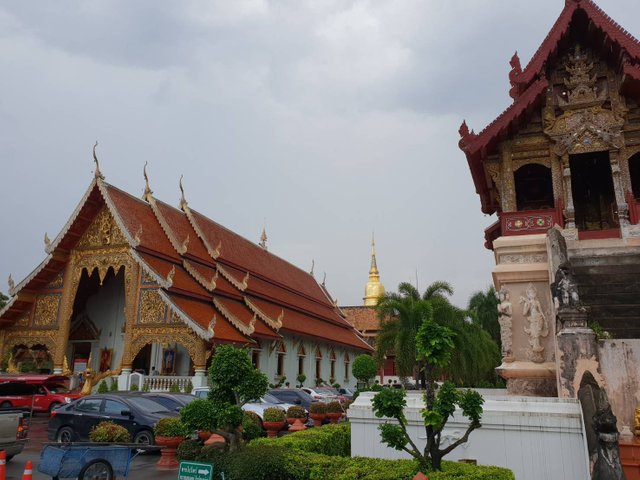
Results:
143 467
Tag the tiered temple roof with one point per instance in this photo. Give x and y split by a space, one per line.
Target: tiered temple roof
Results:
226 288
581 19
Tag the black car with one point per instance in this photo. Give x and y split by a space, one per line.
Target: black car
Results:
136 413
294 396
172 401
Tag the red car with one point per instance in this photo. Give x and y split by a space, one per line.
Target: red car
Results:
48 392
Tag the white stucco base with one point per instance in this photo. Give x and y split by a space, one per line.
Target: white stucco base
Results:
534 437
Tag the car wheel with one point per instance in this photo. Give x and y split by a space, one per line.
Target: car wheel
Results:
5 405
53 406
65 435
96 470
144 437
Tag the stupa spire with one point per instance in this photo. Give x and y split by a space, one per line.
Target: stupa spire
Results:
374 289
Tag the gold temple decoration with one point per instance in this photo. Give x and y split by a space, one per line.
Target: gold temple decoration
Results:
147 188
152 309
374 289
97 173
91 378
636 431
11 365
102 232
46 310
47 241
263 238
12 284
313 264
65 367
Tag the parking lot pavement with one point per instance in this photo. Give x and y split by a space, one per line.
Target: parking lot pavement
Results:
142 467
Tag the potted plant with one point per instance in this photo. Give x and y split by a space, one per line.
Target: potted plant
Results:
317 411
334 411
199 416
170 432
301 379
109 432
295 412
273 420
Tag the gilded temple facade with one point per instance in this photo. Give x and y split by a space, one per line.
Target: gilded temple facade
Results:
136 285
561 169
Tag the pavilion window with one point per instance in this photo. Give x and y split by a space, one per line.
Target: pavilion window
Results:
318 365
534 187
347 362
634 172
255 356
301 357
282 351
332 363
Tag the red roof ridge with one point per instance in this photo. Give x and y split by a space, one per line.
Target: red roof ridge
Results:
240 285
179 246
245 329
201 332
275 324
210 285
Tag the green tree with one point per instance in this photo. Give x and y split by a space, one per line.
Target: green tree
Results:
364 368
234 381
483 310
3 300
435 345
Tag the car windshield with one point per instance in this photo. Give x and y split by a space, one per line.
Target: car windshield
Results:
270 398
57 389
327 390
147 405
169 403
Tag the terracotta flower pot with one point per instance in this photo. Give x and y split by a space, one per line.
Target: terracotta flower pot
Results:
168 460
273 428
293 420
204 436
297 426
334 416
317 418
215 438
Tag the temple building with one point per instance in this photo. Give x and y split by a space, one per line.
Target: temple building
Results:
561 169
137 285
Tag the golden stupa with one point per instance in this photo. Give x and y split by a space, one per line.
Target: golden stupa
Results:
374 289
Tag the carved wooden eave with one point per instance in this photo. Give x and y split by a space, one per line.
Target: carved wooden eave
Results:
209 284
16 289
213 253
240 285
9 304
203 333
116 216
245 329
275 324
179 246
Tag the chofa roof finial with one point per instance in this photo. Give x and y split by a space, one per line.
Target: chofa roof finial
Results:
263 237
313 264
147 188
97 173
183 200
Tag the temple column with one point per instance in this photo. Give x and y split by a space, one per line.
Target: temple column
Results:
200 365
132 274
72 276
618 188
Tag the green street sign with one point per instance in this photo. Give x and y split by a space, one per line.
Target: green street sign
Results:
195 471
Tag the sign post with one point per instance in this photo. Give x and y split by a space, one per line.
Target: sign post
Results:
195 471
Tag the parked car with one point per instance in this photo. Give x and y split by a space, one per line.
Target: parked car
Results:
48 394
294 396
257 407
321 395
172 401
13 433
347 392
135 412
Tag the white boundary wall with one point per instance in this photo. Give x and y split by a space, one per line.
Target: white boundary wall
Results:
537 438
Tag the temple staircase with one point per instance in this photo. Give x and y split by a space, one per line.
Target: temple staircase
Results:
608 278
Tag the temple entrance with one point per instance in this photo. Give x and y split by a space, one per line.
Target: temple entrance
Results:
97 321
593 194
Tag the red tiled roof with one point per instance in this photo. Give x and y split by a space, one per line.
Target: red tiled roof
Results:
158 232
365 319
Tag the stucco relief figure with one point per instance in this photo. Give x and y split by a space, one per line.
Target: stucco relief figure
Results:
565 290
505 313
538 326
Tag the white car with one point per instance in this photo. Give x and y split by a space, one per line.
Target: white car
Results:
256 407
320 394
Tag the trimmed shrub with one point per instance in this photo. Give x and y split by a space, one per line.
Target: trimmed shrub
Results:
296 411
318 407
334 407
188 450
175 388
145 388
251 426
188 386
134 388
200 414
114 385
259 463
170 427
273 414
220 459
103 387
109 432
332 440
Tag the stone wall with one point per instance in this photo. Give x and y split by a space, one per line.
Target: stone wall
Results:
619 363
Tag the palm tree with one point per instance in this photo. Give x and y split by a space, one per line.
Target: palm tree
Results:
401 314
483 310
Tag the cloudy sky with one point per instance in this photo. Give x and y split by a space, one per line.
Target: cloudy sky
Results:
326 119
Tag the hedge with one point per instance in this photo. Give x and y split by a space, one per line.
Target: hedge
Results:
323 454
333 440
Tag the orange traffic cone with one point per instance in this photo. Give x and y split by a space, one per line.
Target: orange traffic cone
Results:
28 471
3 465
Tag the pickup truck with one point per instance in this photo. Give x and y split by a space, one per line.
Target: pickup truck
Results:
40 393
13 432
